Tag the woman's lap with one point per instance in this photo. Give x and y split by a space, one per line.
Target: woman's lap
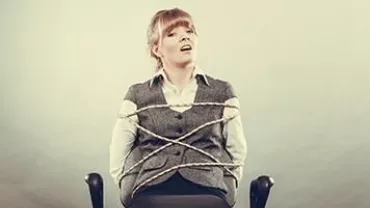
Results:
177 185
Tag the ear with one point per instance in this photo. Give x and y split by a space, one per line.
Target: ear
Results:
156 51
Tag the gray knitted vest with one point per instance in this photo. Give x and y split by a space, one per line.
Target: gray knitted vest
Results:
172 124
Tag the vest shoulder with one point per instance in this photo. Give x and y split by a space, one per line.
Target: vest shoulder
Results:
217 81
140 85
134 90
222 85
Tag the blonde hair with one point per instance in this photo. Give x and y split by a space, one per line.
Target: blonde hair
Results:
162 23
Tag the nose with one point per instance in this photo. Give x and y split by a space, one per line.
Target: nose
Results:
185 36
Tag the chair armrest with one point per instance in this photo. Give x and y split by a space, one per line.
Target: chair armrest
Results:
95 183
259 191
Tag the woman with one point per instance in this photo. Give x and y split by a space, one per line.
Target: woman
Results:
150 144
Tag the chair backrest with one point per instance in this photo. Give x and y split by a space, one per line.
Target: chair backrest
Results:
179 201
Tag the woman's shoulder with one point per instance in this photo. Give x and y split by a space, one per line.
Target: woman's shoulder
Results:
219 83
140 85
138 89
218 88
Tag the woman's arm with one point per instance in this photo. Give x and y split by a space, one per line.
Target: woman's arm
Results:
236 143
123 137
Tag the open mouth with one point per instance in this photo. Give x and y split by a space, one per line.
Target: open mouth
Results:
186 47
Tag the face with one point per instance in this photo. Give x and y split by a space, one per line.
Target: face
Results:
177 47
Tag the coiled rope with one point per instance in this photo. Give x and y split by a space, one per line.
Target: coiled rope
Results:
217 163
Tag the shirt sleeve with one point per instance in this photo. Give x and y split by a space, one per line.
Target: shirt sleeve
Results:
233 131
123 137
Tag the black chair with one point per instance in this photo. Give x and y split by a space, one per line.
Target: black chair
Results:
259 192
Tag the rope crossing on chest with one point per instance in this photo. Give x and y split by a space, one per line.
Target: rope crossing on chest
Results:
178 141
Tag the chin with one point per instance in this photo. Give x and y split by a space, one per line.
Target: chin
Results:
186 63
187 60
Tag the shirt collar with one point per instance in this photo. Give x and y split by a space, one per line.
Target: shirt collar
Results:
160 75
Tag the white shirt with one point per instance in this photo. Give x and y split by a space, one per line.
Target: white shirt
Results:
124 132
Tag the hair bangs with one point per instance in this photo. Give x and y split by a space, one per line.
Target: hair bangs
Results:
172 19
180 22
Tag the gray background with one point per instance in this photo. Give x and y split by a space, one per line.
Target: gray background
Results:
300 68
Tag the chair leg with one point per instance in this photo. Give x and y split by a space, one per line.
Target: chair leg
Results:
259 191
95 183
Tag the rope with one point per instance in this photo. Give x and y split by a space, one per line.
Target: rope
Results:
179 105
177 141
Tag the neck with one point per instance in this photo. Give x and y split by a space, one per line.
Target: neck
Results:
179 75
